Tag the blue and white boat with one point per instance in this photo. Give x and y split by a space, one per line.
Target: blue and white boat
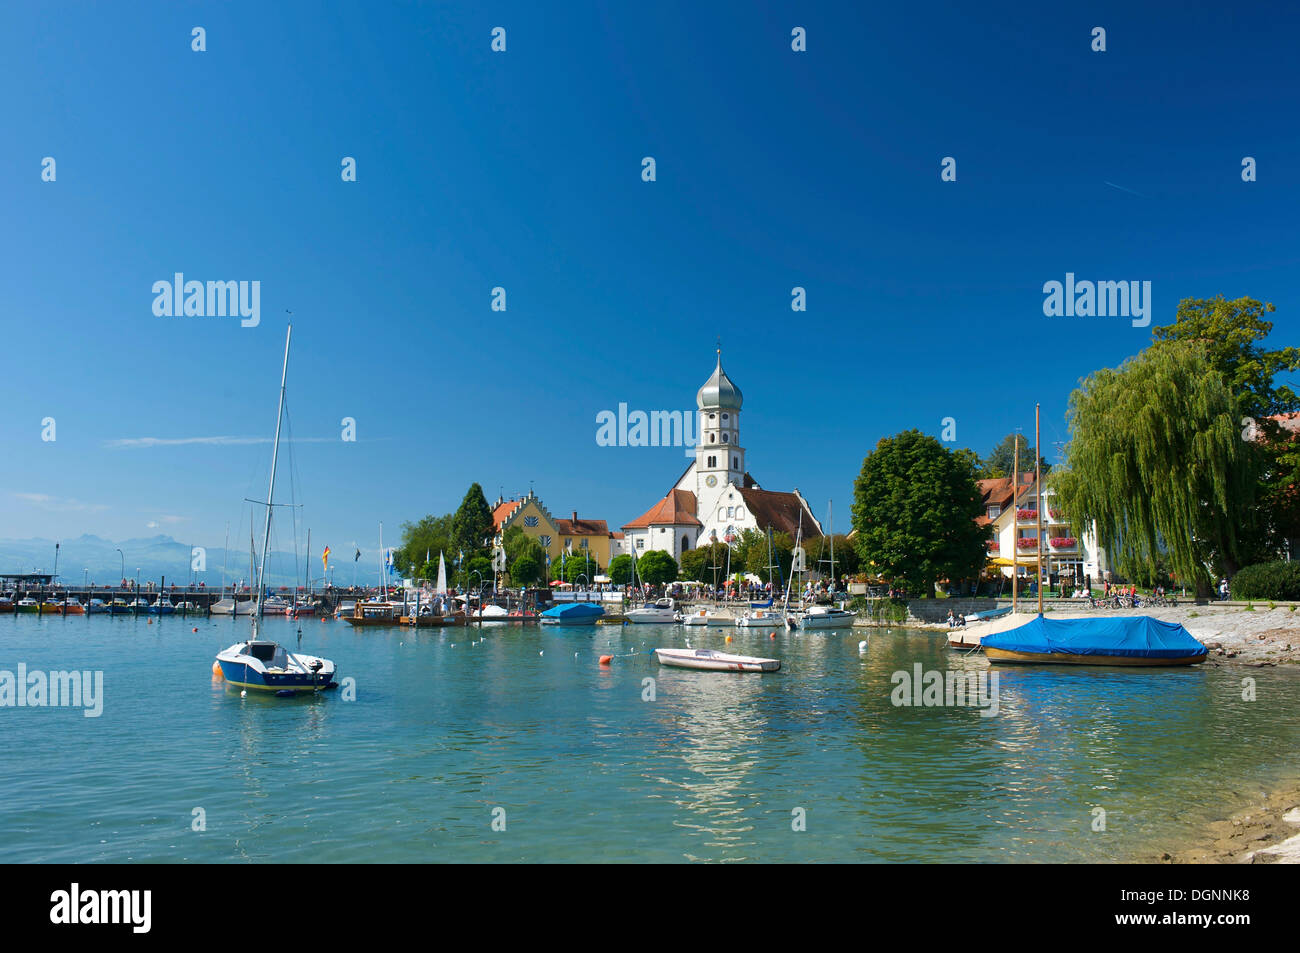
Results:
162 606
573 613
1126 640
260 664
987 614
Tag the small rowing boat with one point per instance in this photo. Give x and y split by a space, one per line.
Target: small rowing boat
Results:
708 660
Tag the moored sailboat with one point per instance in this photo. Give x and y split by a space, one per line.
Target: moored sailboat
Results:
261 664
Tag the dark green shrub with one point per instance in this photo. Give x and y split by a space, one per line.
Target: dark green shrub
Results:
1277 580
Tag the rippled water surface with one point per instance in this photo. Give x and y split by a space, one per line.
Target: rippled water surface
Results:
715 768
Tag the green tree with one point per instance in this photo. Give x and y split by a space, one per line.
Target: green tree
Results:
580 562
656 567
467 578
526 568
914 510
1156 459
846 556
472 525
782 556
698 563
1003 457
430 535
620 570
1233 334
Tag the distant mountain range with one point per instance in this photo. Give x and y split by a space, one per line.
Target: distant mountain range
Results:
160 556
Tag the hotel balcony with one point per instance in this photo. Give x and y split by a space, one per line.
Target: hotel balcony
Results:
1063 544
1027 545
1027 516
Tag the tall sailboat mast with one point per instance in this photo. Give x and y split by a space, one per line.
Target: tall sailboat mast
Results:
270 491
1015 523
1038 505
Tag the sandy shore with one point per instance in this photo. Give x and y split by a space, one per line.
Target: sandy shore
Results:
1233 634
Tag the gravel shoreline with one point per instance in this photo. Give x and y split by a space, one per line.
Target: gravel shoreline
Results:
1232 633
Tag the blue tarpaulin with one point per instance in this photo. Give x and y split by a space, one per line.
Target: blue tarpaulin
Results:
574 611
1127 636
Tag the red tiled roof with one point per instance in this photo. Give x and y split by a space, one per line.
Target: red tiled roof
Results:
582 527
502 511
779 511
997 492
675 509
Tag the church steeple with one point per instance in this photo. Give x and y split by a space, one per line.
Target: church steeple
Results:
719 458
718 391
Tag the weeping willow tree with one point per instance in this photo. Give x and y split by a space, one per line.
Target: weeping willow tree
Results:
1156 458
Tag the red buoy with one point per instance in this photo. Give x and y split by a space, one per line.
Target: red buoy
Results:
606 659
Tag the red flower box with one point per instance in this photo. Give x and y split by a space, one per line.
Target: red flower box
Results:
1026 544
1061 542
1026 514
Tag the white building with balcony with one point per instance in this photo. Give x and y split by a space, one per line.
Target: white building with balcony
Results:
1065 551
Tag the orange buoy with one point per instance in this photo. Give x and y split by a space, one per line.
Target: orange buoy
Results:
216 668
771 635
606 659
195 629
151 621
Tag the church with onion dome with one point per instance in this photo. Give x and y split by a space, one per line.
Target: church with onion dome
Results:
717 499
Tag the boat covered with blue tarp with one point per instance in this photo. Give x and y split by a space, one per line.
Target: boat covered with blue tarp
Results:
573 613
1127 640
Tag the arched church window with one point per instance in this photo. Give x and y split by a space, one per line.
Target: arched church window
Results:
726 438
713 438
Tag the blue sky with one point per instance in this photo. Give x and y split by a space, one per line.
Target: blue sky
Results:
522 170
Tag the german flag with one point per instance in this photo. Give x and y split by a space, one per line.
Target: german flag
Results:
325 559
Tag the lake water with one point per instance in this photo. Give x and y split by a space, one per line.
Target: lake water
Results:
718 767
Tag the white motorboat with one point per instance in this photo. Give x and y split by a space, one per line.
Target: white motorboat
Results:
232 607
823 617
708 660
663 611
709 617
765 618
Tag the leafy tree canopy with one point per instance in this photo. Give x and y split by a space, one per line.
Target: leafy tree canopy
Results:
1157 460
914 510
656 567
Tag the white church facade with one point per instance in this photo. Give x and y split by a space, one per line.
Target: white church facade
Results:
716 499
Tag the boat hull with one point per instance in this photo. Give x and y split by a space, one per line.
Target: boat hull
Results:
244 675
835 622
1065 658
704 660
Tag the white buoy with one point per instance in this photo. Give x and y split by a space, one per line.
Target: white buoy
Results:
541 653
244 693
862 647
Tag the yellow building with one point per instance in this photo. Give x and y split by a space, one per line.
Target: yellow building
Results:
555 536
